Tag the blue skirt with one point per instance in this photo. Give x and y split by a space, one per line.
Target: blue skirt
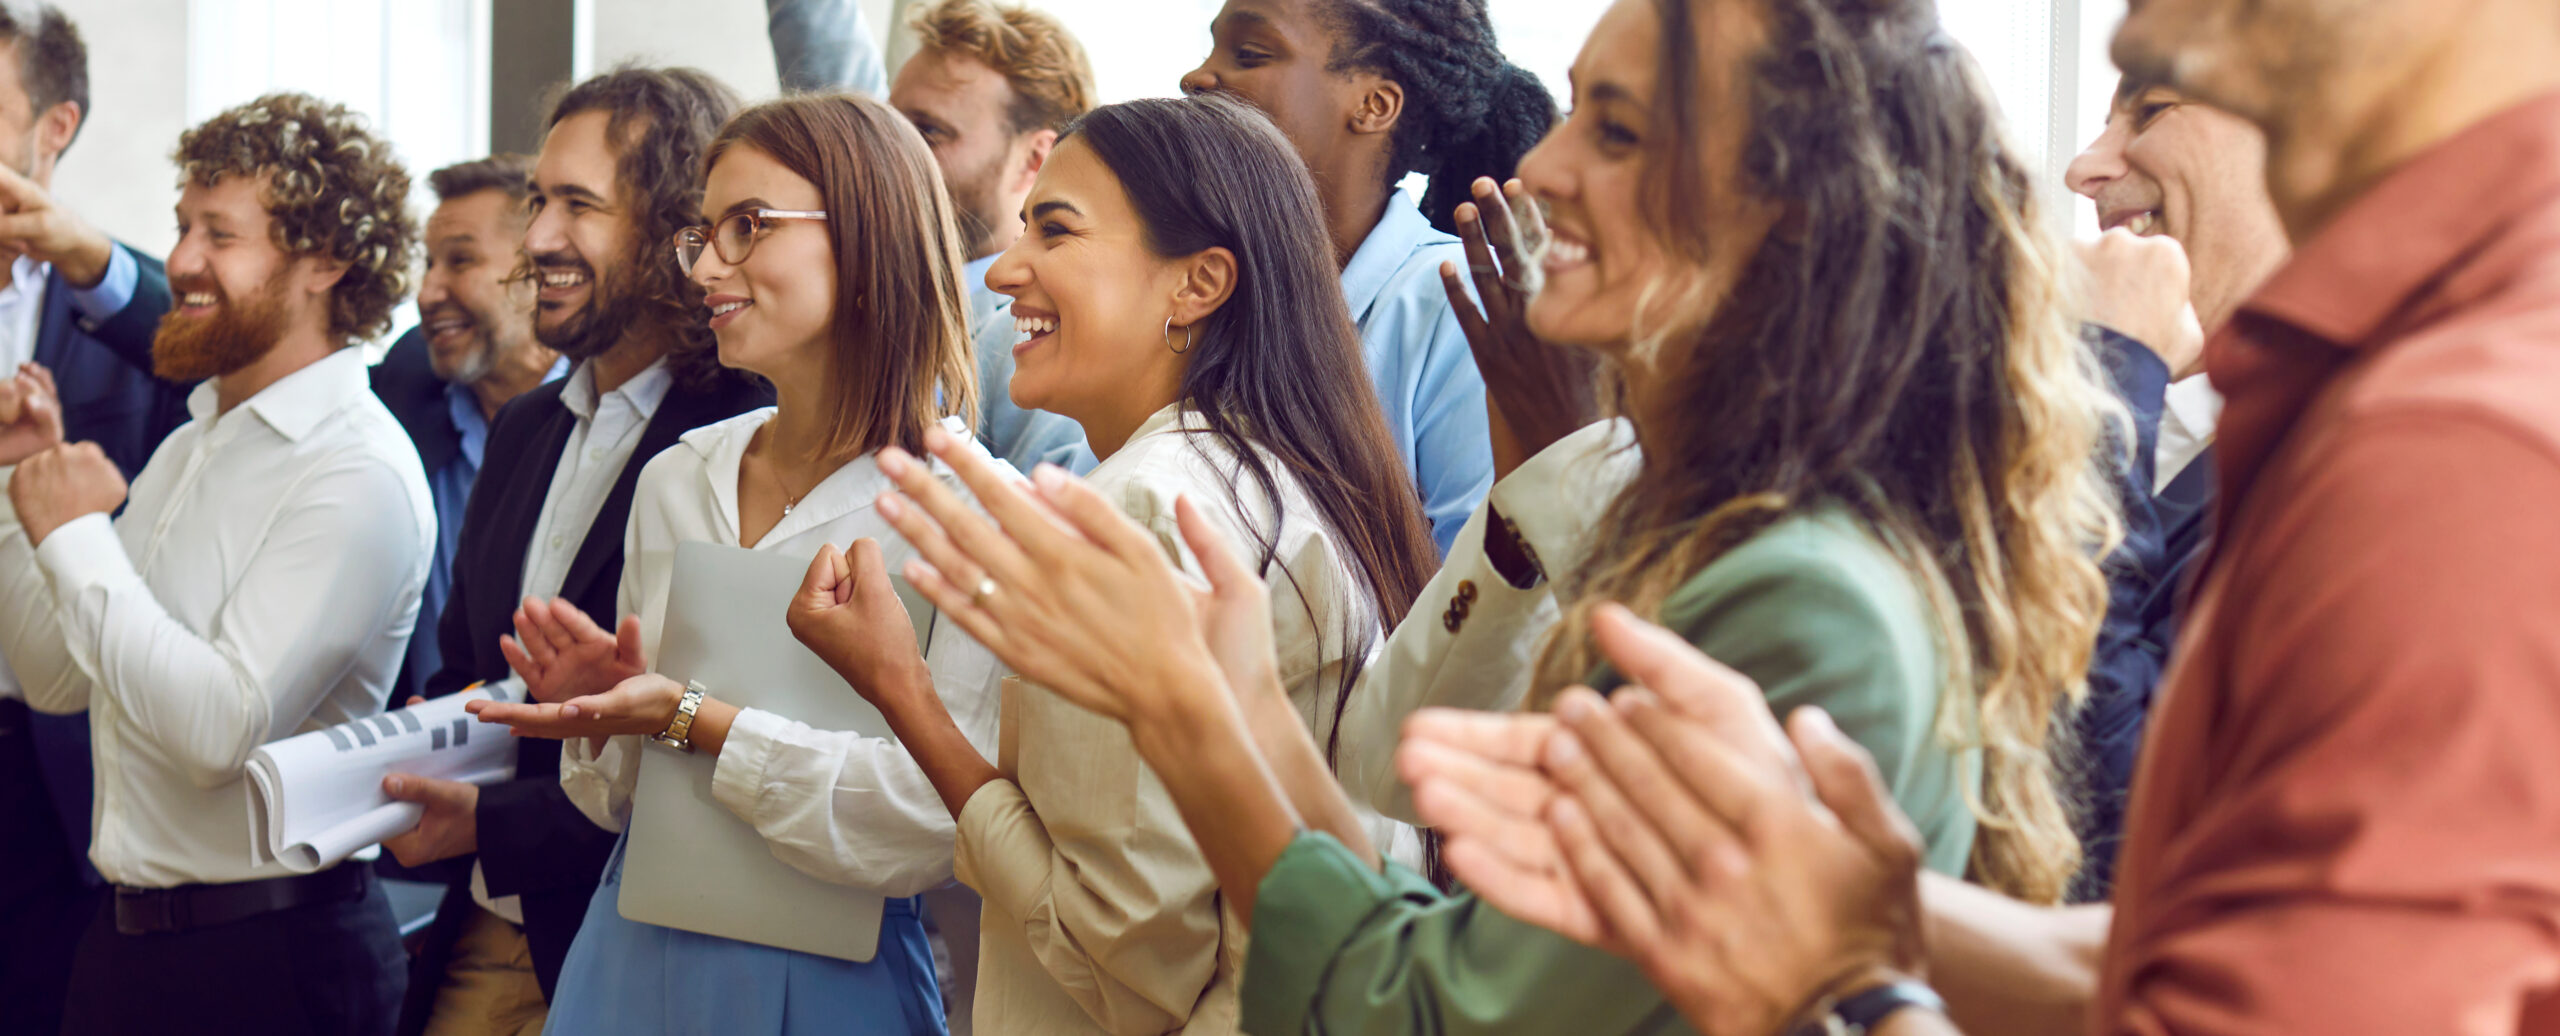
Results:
625 978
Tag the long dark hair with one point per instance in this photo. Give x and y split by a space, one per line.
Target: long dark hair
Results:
1897 347
1277 369
1468 112
902 356
660 120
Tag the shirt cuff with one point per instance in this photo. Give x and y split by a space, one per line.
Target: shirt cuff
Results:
1316 898
737 777
113 292
84 553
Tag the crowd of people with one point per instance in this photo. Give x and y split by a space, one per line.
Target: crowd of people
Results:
1713 560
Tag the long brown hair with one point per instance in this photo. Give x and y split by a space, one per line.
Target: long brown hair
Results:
1277 370
1897 348
902 357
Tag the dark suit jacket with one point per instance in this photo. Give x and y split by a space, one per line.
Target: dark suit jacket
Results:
109 397
2164 535
533 842
406 383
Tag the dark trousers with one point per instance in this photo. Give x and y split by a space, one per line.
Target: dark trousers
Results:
44 904
323 969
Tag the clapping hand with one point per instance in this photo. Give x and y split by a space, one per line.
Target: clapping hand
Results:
1747 885
1075 596
643 704
562 654
1536 393
30 414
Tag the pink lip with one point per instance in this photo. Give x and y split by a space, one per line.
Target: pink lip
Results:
724 319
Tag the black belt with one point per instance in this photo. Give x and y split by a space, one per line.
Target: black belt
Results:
188 907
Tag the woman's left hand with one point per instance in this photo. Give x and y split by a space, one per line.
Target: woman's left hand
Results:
848 615
643 704
1069 592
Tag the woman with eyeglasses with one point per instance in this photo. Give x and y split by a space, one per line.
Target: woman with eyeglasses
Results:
829 267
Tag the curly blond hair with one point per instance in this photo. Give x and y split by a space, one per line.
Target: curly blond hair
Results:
1898 348
332 189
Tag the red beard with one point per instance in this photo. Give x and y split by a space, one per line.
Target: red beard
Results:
235 336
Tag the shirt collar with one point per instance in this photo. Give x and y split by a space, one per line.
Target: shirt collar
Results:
299 401
1400 233
27 275
643 392
853 487
2397 239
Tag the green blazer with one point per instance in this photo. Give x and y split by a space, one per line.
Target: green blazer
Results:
1817 612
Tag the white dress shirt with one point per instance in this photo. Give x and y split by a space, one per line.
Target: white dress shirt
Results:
263 581
21 313
837 806
2188 412
1101 915
608 432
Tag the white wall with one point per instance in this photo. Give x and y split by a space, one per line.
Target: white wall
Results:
117 175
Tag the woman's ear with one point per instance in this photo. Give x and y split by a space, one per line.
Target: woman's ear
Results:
1208 278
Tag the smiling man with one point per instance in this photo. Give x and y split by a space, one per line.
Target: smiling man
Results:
472 351
261 581
615 180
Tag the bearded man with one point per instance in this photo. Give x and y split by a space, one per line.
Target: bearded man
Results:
261 581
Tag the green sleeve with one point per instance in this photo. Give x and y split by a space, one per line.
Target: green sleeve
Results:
1815 611
1338 948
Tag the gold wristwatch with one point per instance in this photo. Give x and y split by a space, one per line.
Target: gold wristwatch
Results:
679 732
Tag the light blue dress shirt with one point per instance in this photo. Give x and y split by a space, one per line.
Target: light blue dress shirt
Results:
114 291
1420 364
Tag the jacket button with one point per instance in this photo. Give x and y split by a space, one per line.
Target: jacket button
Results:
1467 590
1452 620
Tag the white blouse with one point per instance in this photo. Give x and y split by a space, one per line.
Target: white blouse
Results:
837 806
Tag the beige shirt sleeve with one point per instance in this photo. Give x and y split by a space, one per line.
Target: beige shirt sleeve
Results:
1081 847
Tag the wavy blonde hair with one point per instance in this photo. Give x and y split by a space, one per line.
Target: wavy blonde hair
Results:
1897 348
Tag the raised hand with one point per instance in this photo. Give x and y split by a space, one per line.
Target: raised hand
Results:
1744 897
562 654
642 704
850 617
30 414
1476 781
1091 609
2138 287
67 482
31 224
1535 393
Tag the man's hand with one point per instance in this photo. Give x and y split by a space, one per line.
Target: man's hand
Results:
31 224
64 483
30 414
450 826
562 654
1535 393
2138 287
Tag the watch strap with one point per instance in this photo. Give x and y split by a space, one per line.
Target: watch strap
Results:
1859 1013
679 732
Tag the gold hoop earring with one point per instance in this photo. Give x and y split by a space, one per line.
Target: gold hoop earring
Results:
1168 337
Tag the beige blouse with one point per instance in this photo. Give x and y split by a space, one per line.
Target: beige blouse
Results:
1100 915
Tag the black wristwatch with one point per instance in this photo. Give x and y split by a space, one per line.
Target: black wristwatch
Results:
1859 1013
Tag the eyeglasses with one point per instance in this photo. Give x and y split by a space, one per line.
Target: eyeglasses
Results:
734 238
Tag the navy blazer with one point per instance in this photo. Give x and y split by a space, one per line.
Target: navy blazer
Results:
534 843
109 397
406 383
2164 534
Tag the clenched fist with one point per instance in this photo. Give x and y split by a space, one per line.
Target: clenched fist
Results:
64 483
2137 287
30 414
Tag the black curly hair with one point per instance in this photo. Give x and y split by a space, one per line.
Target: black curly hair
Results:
1468 111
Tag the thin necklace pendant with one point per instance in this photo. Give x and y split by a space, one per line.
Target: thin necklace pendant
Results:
786 510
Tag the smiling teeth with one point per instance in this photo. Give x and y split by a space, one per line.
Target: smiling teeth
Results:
2142 223
1029 326
727 308
563 280
196 298
1568 252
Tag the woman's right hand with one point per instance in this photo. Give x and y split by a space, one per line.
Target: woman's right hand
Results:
562 654
1535 393
1076 596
